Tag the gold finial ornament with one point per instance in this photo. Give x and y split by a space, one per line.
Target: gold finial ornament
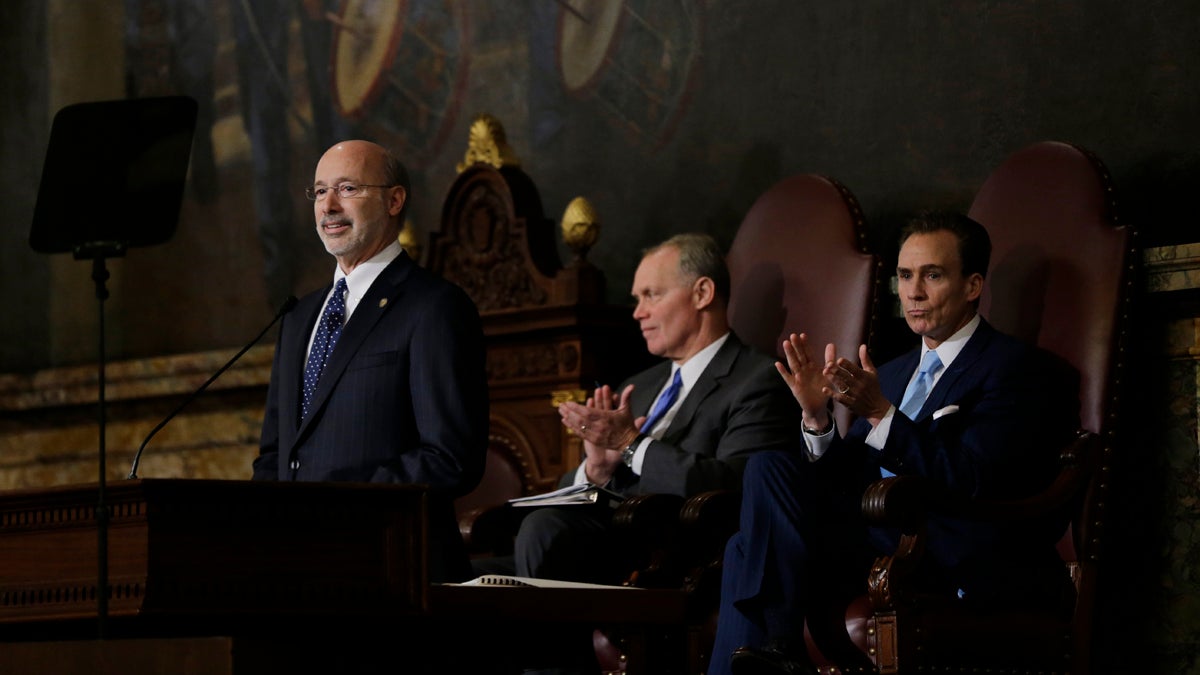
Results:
580 226
488 143
408 240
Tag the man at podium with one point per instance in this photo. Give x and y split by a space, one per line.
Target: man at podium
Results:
379 376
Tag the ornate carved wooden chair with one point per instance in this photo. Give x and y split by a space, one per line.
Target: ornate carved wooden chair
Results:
799 263
546 326
1061 277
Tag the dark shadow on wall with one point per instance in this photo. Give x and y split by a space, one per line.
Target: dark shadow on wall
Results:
24 110
1159 194
758 169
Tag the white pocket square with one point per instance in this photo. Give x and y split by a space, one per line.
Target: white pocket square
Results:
948 410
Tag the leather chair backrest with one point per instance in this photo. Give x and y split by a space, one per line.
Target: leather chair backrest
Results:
1058 273
503 479
799 263
1062 277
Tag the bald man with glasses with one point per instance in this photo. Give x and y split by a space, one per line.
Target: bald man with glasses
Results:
379 376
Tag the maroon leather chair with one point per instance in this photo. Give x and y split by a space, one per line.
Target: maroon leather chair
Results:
1061 277
506 476
799 263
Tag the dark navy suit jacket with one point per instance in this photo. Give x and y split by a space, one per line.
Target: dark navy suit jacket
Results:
1003 411
403 398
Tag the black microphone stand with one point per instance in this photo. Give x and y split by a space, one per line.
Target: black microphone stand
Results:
99 252
286 307
134 150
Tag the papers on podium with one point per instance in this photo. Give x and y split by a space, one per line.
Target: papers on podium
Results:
582 493
529 582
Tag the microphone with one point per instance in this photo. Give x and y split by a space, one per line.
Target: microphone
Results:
286 307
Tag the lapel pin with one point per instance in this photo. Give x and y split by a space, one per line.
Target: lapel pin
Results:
382 303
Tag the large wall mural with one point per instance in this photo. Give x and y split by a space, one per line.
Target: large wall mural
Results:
634 59
280 80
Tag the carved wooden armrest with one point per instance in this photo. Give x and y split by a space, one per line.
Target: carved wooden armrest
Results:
714 512
647 526
1077 461
707 521
902 502
905 502
490 529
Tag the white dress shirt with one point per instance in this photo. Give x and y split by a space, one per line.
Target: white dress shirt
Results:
947 351
689 373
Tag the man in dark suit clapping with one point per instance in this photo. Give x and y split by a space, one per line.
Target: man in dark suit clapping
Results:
972 409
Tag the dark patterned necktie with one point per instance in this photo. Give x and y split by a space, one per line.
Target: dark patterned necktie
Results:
328 329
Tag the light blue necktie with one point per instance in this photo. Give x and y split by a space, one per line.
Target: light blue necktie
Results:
329 328
664 403
918 391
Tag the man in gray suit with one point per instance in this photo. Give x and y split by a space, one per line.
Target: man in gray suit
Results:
685 426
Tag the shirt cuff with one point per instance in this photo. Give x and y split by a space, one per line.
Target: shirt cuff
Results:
639 455
878 436
817 444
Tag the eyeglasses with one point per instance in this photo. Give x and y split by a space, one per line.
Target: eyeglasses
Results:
317 193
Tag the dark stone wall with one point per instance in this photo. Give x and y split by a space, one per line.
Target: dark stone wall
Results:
24 89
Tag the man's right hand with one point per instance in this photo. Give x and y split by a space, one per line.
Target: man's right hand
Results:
606 426
805 377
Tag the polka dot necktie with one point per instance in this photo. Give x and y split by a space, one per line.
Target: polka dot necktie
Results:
328 330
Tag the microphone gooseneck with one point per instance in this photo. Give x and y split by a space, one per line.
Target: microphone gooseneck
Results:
286 307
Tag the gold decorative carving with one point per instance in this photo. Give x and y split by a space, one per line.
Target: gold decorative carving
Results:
488 143
488 261
522 363
409 240
568 358
580 227
561 396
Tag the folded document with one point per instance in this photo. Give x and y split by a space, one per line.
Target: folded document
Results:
583 493
502 580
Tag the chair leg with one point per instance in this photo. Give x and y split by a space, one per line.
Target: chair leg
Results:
881 630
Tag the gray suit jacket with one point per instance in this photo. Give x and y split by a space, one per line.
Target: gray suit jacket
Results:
738 406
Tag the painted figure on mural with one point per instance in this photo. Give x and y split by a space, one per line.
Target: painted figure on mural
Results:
173 48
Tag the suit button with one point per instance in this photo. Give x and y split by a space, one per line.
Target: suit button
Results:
294 465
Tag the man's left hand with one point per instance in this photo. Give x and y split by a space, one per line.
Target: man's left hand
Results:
605 420
857 387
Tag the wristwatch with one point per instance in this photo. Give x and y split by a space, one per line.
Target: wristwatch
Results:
627 453
820 432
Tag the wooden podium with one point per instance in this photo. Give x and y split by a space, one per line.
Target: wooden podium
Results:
217 577
209 554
